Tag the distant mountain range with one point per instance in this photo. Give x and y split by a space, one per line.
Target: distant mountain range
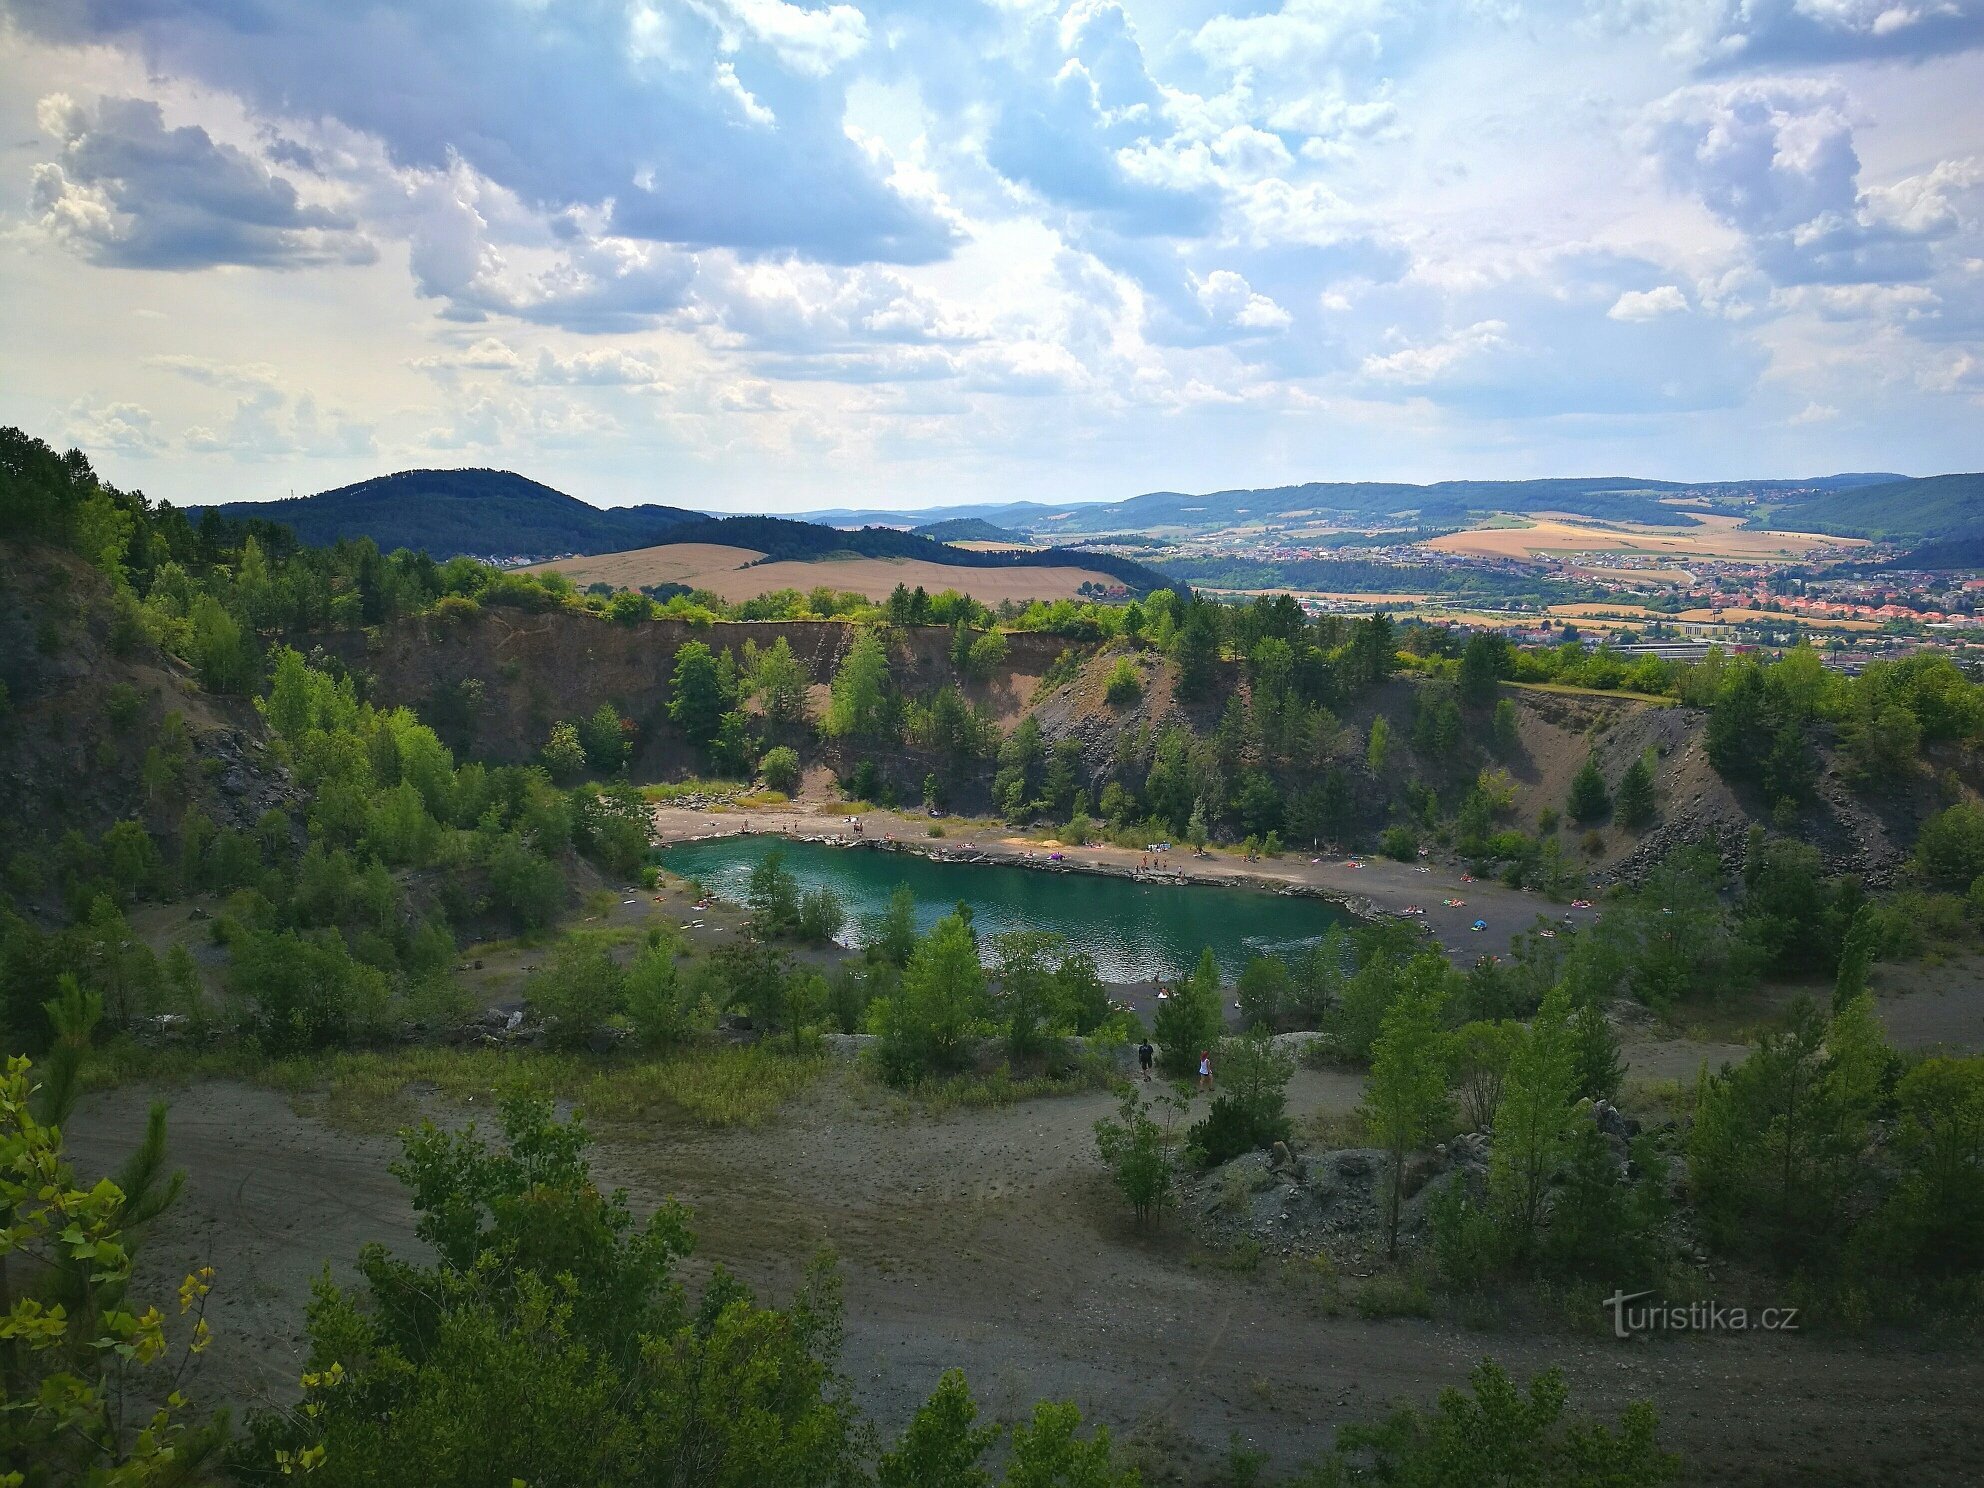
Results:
500 513
1377 503
497 513
482 512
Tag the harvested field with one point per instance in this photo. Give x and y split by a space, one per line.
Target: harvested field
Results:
1711 537
735 574
1733 617
671 563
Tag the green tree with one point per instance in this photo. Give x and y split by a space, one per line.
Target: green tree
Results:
1136 1149
773 895
1264 991
858 705
1533 1125
928 1025
780 684
1125 688
1250 1110
1589 800
891 936
1501 1434
1949 851
1483 663
1190 1019
697 698
89 1371
564 754
1477 1060
1379 748
1779 1144
1636 795
604 738
780 769
1405 1100
577 993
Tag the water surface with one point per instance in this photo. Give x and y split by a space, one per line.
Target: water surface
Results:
1134 930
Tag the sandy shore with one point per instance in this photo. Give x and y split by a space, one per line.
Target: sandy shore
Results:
1436 893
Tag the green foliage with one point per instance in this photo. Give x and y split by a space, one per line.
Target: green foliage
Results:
779 683
1399 843
697 695
1265 992
577 993
773 895
550 1308
1405 1100
90 1371
1126 684
1136 1149
1501 1434
1635 803
1779 1143
927 1025
1533 1125
564 754
780 768
1949 852
1190 1019
1589 800
1250 1110
860 695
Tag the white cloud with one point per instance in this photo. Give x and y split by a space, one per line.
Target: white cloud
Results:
1648 304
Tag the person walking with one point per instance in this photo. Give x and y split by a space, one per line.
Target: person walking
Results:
1146 1055
1205 1070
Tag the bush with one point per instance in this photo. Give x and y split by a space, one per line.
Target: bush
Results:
575 997
1401 843
821 915
1126 684
780 769
1137 1152
1251 1109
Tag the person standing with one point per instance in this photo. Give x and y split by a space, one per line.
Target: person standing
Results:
1205 1070
1146 1056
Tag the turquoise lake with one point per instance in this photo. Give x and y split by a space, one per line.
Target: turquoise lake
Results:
1133 930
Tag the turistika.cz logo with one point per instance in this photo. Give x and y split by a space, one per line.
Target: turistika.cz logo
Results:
1631 1314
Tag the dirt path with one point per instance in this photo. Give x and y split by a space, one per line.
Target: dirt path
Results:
990 1241
1367 885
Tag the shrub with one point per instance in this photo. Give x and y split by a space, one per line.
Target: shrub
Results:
780 769
1137 1152
577 994
1401 843
1126 684
1251 1109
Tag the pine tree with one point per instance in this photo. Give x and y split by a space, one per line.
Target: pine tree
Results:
1636 795
1533 1124
1189 1019
1589 800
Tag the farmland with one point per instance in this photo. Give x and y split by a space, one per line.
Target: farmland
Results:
736 574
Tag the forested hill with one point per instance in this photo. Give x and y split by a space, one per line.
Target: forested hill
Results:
1617 498
782 537
481 512
1944 508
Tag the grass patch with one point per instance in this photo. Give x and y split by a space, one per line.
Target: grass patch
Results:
726 1085
940 1096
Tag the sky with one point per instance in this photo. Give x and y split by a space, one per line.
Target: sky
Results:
755 255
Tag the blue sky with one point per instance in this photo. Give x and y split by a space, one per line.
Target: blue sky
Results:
763 256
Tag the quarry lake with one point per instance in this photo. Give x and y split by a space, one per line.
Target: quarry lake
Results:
1133 930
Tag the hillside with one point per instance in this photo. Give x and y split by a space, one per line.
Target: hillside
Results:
1943 507
1617 498
450 512
784 540
74 673
969 529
